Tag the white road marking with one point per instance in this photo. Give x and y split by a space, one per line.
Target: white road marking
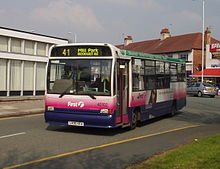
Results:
11 135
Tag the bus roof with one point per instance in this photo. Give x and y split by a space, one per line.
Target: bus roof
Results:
150 56
129 53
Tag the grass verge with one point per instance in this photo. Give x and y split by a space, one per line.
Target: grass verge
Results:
201 154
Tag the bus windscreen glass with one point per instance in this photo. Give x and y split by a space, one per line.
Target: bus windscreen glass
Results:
81 51
79 76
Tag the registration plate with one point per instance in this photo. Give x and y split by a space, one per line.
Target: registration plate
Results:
75 123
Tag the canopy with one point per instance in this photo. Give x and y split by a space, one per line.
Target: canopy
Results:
211 72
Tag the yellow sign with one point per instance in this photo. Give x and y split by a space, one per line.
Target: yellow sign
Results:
87 52
81 52
66 52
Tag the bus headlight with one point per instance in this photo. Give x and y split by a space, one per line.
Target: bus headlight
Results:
50 108
106 111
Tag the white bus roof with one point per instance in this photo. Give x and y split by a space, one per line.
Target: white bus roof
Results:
128 53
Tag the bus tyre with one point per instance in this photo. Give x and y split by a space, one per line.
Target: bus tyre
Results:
173 110
134 120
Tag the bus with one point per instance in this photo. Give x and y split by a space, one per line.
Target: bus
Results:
99 85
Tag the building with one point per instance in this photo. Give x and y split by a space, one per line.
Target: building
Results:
187 47
23 59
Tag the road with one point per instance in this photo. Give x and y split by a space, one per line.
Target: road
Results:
27 139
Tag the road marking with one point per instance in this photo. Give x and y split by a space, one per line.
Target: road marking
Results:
11 135
100 146
20 117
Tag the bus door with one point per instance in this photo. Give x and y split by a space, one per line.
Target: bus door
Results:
122 97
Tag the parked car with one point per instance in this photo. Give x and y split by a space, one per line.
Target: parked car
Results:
217 90
200 89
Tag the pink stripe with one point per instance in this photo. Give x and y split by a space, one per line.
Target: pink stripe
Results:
81 102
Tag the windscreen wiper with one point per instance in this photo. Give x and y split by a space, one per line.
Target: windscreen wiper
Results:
68 88
92 96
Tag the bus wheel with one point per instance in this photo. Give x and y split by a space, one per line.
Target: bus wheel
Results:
173 110
134 120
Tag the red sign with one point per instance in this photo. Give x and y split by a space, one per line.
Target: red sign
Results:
215 47
215 50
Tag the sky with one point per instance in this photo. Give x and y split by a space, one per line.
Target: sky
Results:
110 21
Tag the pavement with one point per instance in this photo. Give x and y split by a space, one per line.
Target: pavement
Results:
21 105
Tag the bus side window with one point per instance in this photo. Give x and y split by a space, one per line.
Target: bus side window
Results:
173 72
115 80
181 72
137 75
167 75
149 74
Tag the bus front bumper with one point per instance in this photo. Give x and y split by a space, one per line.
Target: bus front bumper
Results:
85 120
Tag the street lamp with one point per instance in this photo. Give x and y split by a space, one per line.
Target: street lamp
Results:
203 37
74 36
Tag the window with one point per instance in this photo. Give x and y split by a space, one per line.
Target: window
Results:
28 76
170 55
181 72
81 76
173 72
137 75
16 45
159 67
41 49
29 47
197 85
141 82
3 43
160 75
167 75
149 78
150 74
40 76
183 56
167 68
3 74
15 75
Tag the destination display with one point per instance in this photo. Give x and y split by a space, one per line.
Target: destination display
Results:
68 51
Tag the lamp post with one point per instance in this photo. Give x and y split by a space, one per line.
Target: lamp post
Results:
203 37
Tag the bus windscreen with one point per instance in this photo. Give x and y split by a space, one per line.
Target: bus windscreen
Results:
80 51
79 76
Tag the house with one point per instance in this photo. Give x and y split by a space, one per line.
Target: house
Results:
187 47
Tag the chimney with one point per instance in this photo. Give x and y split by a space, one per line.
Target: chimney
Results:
207 36
165 33
128 40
